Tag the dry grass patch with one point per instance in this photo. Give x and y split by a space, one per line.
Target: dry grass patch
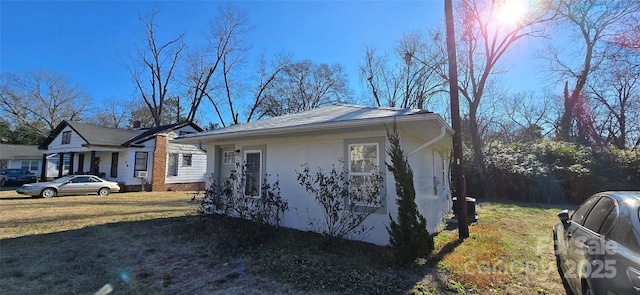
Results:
154 243
24 215
510 251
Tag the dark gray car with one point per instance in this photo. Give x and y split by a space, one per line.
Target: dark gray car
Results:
16 176
598 249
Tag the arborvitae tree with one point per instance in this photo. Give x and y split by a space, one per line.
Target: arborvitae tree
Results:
409 236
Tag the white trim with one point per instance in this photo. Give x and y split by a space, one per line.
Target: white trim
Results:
322 126
365 174
443 132
254 151
232 158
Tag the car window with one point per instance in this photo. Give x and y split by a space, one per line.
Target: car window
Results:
609 221
94 179
580 214
598 214
81 179
623 231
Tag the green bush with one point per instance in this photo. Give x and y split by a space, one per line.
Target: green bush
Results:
409 235
551 171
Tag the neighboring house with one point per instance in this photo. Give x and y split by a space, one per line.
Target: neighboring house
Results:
321 138
131 157
26 157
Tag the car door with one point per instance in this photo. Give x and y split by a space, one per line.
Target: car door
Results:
586 244
76 185
94 185
569 257
594 266
623 251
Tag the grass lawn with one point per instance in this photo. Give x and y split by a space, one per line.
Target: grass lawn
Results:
155 243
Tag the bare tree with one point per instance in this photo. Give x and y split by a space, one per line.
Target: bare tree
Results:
591 23
305 85
527 114
384 84
629 37
173 113
617 89
115 113
266 77
41 100
414 79
153 68
225 50
483 43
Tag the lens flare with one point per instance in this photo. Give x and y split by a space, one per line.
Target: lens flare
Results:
512 11
123 277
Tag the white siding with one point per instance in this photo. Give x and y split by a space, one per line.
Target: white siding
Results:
18 164
74 145
286 154
431 199
194 173
130 160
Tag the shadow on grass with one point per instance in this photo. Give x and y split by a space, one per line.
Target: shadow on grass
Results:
18 197
175 255
446 249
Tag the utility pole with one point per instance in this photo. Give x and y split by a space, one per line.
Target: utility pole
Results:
461 189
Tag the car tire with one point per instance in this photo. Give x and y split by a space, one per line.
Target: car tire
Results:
48 193
104 192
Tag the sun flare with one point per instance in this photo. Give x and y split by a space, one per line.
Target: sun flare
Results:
512 11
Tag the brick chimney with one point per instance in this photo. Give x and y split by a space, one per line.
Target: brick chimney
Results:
159 169
136 124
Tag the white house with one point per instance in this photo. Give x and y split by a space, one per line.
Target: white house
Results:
322 137
25 157
131 157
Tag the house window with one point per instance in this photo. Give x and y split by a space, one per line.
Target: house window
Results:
253 172
67 165
66 137
186 160
363 164
363 157
30 165
229 158
172 163
140 161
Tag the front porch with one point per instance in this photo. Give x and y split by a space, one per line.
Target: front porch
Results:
104 164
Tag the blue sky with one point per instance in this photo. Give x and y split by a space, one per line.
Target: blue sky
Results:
91 41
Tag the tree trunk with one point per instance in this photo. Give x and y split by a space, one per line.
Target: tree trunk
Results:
476 146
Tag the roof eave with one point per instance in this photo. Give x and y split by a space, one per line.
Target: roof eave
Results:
197 139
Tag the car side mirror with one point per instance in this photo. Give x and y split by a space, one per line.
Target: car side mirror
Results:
564 217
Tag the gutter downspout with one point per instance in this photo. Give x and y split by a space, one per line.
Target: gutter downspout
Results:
443 132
